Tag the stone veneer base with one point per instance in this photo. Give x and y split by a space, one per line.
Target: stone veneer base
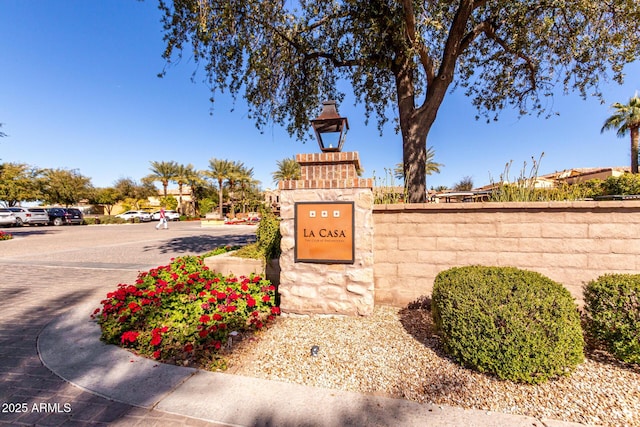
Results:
328 289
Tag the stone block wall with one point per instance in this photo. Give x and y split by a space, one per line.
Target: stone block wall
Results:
570 242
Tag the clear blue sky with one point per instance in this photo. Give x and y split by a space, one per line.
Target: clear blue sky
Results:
78 90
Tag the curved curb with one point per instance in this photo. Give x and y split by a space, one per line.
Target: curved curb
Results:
70 347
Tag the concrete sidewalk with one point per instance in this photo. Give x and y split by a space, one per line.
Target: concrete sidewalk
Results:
71 348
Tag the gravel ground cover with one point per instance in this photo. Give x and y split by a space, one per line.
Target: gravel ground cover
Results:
396 353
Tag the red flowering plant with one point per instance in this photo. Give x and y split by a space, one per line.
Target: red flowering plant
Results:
5 236
185 313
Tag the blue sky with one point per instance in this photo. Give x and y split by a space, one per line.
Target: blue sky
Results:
78 90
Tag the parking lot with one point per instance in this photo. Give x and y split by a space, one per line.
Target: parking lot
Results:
127 246
47 271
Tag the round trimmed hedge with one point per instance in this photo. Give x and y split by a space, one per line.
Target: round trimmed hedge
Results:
516 324
612 306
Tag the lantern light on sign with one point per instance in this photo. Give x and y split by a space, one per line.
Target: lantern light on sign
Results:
330 128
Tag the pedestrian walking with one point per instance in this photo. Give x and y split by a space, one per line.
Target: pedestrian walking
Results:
163 220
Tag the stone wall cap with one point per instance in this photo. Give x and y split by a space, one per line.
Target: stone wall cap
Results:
613 204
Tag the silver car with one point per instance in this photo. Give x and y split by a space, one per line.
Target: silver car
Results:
31 216
7 217
131 215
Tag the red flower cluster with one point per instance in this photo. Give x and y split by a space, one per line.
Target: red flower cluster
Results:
156 335
129 336
184 308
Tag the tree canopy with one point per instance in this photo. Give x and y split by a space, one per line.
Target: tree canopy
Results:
18 183
65 187
285 58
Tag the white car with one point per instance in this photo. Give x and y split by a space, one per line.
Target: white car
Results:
170 215
30 216
132 215
7 217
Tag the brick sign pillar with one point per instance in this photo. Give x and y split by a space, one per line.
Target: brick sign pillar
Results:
327 238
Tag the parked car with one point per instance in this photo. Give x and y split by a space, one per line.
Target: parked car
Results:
31 216
132 215
60 216
7 217
170 215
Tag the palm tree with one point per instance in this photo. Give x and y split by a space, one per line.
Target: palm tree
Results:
246 182
198 186
233 179
430 167
219 170
627 118
182 176
287 169
163 172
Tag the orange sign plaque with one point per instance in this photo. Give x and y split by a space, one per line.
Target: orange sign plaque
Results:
324 232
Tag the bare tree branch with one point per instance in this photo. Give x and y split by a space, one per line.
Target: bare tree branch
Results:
423 53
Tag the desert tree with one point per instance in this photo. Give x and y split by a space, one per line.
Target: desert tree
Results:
64 186
19 183
401 57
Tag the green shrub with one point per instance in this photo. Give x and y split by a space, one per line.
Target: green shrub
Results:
220 250
103 219
516 324
268 234
625 184
250 251
206 206
612 307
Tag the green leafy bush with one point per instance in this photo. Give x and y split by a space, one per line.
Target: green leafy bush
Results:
516 324
612 307
250 251
220 250
268 234
169 202
184 313
625 184
206 205
104 219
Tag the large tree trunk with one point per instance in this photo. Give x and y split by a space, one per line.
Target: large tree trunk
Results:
415 124
634 131
220 198
414 162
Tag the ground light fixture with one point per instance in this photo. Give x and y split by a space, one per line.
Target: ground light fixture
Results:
330 128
